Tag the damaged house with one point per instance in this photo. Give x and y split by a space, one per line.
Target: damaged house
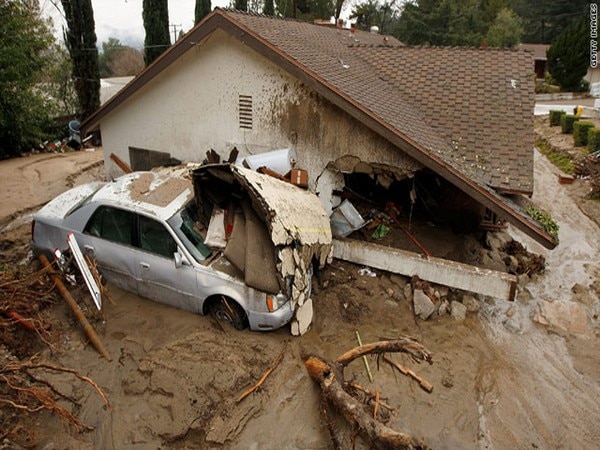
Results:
441 132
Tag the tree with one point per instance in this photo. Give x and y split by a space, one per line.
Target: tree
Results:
127 62
448 22
203 8
569 56
118 60
544 20
240 5
384 15
269 8
80 37
156 23
24 42
506 31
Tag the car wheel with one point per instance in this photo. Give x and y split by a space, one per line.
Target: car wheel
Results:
227 310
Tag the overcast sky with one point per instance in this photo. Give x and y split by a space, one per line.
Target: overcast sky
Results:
122 19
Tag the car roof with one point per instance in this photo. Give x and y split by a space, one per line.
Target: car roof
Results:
156 194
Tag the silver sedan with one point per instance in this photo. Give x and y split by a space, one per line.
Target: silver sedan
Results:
141 229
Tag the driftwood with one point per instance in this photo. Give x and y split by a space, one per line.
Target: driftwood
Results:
24 391
87 327
259 383
330 377
425 385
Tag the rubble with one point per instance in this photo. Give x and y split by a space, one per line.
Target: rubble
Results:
295 231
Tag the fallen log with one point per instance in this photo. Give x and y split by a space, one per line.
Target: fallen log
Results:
330 377
87 327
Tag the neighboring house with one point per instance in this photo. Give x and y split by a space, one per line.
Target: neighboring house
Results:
351 104
539 58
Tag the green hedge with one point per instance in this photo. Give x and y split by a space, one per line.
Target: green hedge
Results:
580 133
555 116
567 121
593 142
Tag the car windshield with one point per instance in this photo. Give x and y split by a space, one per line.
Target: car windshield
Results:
184 225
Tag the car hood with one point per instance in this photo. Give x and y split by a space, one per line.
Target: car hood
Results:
60 206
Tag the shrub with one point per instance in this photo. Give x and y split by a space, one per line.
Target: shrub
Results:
593 142
567 121
580 133
542 87
555 116
544 219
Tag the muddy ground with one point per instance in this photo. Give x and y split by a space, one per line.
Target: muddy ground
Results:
501 378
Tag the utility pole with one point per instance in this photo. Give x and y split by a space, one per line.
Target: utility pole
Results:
174 27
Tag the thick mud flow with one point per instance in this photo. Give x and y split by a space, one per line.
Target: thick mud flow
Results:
501 379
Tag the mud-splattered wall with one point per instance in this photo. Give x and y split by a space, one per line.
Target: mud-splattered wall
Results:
194 106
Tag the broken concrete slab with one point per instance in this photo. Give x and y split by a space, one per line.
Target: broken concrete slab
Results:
436 270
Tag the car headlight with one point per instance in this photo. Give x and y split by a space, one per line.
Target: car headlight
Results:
274 302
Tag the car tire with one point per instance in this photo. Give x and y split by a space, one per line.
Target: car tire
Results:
227 310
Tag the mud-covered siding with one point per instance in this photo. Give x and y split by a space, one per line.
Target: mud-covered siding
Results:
193 106
323 134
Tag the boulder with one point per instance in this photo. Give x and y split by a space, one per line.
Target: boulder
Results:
458 311
423 306
471 303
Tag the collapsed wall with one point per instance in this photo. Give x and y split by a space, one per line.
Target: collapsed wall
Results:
297 227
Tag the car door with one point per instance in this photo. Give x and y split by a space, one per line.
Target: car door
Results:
108 238
157 276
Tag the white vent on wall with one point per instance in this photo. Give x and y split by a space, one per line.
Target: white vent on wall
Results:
245 107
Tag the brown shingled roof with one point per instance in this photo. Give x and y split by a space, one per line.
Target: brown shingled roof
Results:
465 113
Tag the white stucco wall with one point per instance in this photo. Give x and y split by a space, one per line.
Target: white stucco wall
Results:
192 107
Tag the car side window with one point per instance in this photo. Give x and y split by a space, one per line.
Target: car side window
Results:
112 224
155 238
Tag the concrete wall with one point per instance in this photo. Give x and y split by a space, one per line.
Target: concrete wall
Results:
192 107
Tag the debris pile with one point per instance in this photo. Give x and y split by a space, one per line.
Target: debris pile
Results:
25 382
364 410
429 301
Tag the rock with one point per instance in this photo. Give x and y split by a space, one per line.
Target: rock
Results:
408 294
497 241
511 311
444 307
398 295
512 325
564 318
511 263
471 303
582 294
523 279
390 303
458 311
443 291
390 292
493 260
423 306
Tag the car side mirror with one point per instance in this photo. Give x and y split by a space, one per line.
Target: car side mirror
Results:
178 260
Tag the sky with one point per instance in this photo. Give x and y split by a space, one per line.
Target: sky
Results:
122 19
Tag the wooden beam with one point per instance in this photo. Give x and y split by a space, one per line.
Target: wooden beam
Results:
436 270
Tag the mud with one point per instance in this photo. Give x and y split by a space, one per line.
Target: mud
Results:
500 379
